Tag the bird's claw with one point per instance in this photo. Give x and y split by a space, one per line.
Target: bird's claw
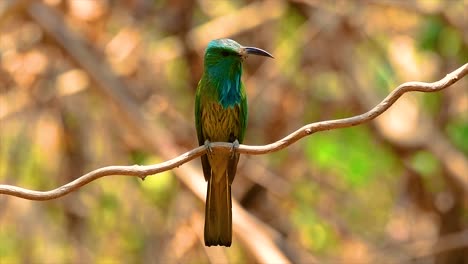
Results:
235 145
208 147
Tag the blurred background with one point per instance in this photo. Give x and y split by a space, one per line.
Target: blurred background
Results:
86 84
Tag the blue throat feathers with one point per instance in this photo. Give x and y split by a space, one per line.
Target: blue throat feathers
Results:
227 79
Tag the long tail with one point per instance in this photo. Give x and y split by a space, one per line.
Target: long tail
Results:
218 215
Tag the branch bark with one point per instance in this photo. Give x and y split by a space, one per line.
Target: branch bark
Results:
143 171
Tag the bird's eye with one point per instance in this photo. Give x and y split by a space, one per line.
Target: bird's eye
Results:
224 53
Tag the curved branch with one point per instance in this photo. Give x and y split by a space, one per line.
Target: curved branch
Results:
309 129
143 171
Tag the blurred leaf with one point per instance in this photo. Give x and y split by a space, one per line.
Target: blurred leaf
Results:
447 41
384 76
350 154
290 52
425 163
160 188
177 75
9 245
432 102
314 233
327 86
31 168
458 133
430 34
134 241
450 42
109 202
319 48
139 157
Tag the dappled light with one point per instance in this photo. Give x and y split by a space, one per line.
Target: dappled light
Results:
88 84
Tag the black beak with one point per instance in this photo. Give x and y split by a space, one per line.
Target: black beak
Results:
257 51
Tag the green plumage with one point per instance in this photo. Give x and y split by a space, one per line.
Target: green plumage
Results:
221 116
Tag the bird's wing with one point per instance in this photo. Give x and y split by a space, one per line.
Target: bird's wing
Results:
201 139
243 111
243 114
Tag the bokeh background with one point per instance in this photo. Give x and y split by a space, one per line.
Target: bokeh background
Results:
86 84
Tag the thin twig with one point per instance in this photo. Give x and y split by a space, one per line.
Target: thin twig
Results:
143 171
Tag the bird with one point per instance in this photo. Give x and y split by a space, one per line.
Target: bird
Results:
221 116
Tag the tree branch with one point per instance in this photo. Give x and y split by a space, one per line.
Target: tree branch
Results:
143 171
129 118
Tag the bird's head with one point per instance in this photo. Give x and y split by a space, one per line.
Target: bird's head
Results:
226 55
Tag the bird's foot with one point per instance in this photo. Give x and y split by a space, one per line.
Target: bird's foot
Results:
235 145
208 147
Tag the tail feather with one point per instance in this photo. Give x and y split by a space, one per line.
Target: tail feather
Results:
218 215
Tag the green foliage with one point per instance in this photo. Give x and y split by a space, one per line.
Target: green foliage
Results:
177 76
458 133
9 245
384 75
315 233
160 189
425 163
328 86
139 157
429 167
20 149
347 183
349 153
430 34
432 103
450 42
437 37
108 205
288 43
